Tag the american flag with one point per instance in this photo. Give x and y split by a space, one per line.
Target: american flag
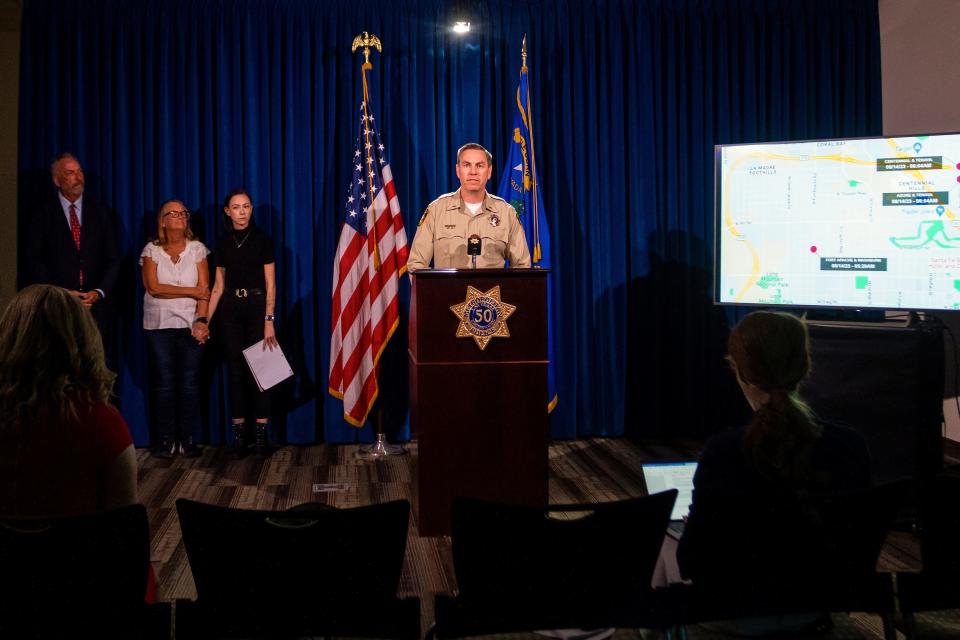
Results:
371 257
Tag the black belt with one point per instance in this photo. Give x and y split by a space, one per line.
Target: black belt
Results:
246 293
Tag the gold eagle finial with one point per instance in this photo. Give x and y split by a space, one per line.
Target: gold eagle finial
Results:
366 41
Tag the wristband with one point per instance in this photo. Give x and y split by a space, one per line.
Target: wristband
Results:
201 319
269 317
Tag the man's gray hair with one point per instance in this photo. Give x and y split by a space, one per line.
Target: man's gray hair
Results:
66 155
478 147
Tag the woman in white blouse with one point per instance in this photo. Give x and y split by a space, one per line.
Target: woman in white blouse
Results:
176 279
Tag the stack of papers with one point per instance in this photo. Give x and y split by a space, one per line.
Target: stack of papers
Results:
269 367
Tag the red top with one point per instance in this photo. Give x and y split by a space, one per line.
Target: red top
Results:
59 469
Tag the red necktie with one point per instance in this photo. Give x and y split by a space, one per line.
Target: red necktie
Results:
75 230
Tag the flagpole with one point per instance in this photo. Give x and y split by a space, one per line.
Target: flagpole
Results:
380 448
537 255
536 249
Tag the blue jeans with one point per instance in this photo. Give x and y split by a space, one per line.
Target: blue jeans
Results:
175 368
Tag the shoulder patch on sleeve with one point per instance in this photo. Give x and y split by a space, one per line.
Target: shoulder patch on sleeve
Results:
516 212
424 216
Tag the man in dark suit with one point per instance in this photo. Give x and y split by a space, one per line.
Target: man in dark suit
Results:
72 243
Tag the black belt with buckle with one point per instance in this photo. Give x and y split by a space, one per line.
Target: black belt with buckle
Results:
246 293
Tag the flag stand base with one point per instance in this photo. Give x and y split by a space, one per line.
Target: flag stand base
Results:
382 449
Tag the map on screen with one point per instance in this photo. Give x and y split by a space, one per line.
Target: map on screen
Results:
861 223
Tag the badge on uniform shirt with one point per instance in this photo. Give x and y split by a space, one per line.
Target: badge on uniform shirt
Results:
494 219
483 316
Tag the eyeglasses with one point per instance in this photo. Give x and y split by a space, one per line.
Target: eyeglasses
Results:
177 214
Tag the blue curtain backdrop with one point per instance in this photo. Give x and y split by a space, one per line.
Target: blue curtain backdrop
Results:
188 98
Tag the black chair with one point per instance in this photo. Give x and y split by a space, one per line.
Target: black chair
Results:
80 576
927 598
838 553
524 568
313 570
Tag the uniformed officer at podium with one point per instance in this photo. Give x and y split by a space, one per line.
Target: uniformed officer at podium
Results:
470 216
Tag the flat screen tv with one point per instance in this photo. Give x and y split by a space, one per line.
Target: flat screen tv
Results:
862 223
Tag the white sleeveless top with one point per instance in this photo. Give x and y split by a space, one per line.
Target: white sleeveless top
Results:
172 313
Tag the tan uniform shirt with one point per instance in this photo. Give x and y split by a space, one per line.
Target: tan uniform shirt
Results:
446 224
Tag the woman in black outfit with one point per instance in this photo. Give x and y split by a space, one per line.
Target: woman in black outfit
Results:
245 288
752 522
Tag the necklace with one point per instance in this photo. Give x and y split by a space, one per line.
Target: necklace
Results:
240 243
176 253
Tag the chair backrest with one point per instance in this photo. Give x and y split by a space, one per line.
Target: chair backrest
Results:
827 564
937 585
74 573
940 525
247 561
558 558
857 524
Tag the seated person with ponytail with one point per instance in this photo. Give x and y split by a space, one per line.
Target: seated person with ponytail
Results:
751 523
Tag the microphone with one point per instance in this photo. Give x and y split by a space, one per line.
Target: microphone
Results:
473 249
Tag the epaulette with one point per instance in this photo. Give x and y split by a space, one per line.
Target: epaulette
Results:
435 201
424 216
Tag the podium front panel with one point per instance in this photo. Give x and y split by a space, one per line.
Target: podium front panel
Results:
480 438
479 415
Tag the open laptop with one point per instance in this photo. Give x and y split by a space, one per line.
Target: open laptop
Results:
662 476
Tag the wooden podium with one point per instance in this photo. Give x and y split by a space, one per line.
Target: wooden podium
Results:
479 415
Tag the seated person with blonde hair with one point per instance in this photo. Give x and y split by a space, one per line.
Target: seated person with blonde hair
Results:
64 450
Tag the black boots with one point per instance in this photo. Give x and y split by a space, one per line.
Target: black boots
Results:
238 446
261 442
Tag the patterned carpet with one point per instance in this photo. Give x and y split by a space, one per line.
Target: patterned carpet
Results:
938 625
587 470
